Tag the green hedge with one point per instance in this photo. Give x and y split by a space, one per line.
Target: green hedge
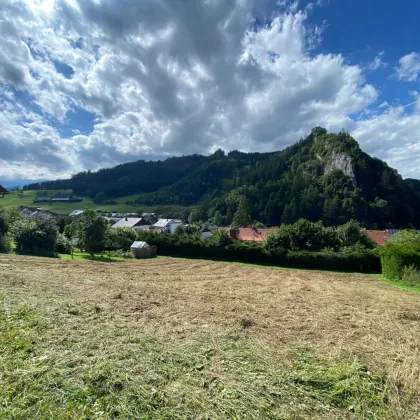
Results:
253 252
394 257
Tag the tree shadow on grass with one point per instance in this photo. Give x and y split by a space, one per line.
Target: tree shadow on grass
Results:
100 258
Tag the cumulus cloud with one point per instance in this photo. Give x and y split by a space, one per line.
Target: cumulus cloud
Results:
393 137
169 78
409 68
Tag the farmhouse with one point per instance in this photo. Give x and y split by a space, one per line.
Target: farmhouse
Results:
167 225
3 191
32 211
132 222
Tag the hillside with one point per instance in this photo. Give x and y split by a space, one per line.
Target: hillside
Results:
126 179
322 177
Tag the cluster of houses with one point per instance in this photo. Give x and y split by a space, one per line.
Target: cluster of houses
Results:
149 221
32 211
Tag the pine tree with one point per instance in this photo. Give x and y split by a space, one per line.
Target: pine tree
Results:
218 218
242 217
229 216
194 216
290 212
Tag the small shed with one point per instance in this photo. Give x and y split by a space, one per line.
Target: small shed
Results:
141 249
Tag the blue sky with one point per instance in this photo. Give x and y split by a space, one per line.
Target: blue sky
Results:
361 29
93 83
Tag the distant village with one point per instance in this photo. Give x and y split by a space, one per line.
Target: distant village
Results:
152 222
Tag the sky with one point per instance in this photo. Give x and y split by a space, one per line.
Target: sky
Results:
86 84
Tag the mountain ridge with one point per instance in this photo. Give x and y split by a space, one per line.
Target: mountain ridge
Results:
324 176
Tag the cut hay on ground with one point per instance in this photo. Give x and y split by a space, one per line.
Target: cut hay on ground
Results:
176 338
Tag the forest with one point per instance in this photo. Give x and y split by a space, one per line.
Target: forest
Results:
325 176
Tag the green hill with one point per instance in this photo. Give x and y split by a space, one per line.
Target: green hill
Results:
26 198
325 177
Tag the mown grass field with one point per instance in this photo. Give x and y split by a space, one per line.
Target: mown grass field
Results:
13 200
174 338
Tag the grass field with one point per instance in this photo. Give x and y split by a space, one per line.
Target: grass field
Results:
13 200
174 338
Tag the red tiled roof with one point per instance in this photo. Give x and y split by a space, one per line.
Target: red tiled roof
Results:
380 237
250 234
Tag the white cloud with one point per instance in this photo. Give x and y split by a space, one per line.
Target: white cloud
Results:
377 62
392 136
164 79
409 68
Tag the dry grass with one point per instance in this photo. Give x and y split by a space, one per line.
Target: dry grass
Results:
175 338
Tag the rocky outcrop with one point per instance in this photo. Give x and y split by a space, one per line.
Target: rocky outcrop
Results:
341 162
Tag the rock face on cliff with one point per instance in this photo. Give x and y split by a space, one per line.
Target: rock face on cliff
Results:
341 162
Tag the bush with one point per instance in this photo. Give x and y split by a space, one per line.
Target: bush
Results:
410 275
394 257
5 244
303 236
405 237
254 252
35 235
365 261
310 236
63 245
119 239
351 234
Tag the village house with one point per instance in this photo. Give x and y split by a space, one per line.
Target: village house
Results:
380 237
3 191
132 222
76 213
206 231
167 225
32 211
250 233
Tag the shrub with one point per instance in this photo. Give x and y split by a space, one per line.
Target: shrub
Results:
119 239
351 234
5 244
394 257
411 275
365 261
254 252
405 237
303 236
35 235
4 225
63 245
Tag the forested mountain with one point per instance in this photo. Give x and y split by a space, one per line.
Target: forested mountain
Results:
126 179
322 177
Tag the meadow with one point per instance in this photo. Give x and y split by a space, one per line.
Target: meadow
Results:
27 199
173 338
